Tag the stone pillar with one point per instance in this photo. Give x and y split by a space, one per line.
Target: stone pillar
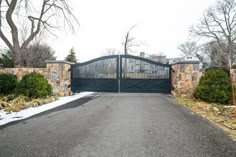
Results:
233 74
59 76
185 78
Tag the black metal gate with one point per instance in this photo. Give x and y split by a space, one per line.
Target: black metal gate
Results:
143 75
122 73
100 75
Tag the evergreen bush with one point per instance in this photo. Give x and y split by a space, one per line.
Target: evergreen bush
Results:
214 87
34 85
8 83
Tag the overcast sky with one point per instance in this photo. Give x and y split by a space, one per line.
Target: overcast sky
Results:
161 25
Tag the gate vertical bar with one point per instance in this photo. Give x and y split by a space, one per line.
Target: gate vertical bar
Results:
170 77
118 72
121 70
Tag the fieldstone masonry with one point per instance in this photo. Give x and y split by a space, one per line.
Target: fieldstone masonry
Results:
20 72
57 73
233 74
59 77
185 78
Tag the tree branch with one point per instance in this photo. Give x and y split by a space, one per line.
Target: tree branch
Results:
214 35
7 2
14 30
3 37
218 23
34 33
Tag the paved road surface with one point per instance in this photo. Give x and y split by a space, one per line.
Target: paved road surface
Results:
116 125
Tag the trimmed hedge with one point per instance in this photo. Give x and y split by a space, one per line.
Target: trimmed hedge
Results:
8 83
34 85
214 87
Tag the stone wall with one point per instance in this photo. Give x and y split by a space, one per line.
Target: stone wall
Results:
57 73
20 72
233 75
184 79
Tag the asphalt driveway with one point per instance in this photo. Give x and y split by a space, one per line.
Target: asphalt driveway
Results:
116 125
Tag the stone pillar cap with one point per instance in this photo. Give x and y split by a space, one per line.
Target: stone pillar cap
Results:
58 61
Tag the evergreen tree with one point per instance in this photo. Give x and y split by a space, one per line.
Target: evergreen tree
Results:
71 56
6 59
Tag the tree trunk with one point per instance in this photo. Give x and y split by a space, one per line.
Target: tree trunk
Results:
230 54
18 58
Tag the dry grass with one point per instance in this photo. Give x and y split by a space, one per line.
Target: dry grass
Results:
222 116
16 104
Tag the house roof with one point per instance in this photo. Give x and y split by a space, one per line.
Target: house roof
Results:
58 61
188 60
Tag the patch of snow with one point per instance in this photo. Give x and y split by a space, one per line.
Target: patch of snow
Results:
23 114
229 106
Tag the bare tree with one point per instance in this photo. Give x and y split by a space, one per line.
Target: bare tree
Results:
129 42
189 48
37 54
111 51
159 57
219 23
46 15
214 54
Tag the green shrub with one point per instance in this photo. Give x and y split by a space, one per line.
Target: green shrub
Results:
34 85
8 83
215 87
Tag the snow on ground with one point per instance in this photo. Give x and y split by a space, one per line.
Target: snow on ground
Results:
15 116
